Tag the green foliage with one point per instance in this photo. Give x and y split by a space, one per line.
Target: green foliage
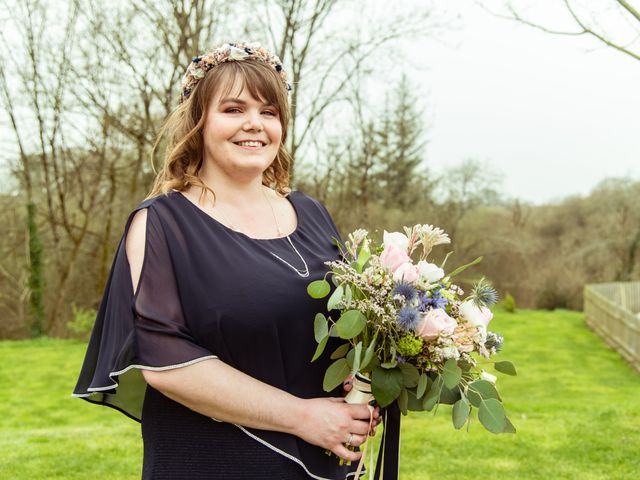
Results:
508 303
318 289
83 320
409 345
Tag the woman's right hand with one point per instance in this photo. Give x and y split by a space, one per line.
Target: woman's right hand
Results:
329 422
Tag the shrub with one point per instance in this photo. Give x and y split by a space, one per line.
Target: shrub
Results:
508 303
83 319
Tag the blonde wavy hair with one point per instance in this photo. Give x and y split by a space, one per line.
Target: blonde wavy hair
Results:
184 127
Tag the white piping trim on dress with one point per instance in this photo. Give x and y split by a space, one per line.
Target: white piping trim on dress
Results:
94 390
290 457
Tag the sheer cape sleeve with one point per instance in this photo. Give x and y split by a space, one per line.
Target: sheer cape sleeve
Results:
145 329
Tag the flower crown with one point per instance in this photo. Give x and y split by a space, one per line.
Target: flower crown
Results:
228 52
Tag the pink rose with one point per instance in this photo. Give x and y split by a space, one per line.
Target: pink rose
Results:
407 272
392 257
434 323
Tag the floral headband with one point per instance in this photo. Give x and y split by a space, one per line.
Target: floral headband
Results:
228 52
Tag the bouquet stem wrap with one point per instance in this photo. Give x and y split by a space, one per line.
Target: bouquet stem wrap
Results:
388 457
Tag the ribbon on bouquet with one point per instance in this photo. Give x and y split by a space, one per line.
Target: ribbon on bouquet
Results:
388 463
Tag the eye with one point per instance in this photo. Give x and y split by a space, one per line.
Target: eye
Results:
232 110
271 112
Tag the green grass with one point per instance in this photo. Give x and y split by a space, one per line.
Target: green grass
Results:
575 403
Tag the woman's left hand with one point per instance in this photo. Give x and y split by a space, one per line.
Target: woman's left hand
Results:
347 385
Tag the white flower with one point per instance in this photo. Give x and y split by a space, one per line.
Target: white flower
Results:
430 271
478 316
236 53
488 377
433 235
450 351
398 239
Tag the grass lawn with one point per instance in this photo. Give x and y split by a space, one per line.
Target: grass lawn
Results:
575 403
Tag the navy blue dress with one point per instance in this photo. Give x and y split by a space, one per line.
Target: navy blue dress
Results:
207 291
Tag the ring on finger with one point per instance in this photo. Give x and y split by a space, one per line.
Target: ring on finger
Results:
349 440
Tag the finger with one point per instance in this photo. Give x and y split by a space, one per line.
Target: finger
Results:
347 385
343 452
359 428
357 440
360 412
372 433
336 399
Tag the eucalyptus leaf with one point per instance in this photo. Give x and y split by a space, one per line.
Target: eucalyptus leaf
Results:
464 267
451 373
368 356
335 297
491 415
392 364
320 327
422 385
410 375
460 413
340 352
363 256
350 358
403 401
319 289
508 427
350 324
449 396
413 404
506 367
357 356
386 385
481 390
320 348
335 374
333 331
433 396
348 295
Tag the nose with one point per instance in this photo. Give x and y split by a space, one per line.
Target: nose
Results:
253 121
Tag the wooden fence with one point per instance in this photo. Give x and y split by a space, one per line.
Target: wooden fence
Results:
612 310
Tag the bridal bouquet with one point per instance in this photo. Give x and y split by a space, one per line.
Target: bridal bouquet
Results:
410 334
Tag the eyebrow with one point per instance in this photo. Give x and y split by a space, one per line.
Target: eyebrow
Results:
241 102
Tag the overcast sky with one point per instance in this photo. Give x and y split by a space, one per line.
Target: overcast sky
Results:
554 114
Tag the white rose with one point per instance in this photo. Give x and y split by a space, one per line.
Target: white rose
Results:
478 316
398 239
430 271
488 377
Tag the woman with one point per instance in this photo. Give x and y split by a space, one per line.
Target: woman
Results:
205 314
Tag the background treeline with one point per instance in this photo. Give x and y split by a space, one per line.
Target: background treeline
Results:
84 90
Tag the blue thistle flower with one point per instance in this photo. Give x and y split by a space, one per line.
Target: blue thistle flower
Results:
483 294
494 340
408 318
406 290
400 359
435 300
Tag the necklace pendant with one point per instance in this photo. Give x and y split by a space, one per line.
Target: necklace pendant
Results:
302 273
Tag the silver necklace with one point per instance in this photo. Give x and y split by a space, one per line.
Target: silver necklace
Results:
303 273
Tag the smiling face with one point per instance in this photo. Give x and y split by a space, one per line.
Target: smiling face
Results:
242 134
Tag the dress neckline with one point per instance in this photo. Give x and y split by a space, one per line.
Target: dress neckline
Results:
289 198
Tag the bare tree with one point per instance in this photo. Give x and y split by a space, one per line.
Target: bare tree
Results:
324 43
587 23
